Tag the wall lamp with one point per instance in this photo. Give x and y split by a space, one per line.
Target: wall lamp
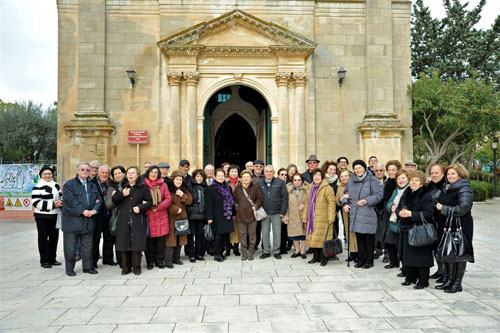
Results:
131 76
341 74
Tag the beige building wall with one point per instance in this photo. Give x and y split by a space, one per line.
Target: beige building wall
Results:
311 114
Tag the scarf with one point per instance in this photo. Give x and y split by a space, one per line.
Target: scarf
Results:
233 180
154 188
297 190
312 206
331 179
397 198
224 190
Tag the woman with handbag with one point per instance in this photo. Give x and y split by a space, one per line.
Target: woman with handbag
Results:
455 207
415 207
131 226
351 236
318 216
157 217
233 180
392 233
219 204
114 185
247 198
177 219
297 192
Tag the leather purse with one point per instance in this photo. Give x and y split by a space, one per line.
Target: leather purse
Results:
454 246
208 232
260 213
333 246
422 235
182 227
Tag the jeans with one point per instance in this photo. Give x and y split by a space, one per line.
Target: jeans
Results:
48 236
274 221
69 241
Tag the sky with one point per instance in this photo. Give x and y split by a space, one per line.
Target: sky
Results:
28 46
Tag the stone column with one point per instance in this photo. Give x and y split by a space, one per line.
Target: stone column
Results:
282 148
190 136
163 114
300 80
275 139
173 118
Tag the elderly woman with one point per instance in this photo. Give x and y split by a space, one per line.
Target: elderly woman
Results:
318 214
291 169
181 198
436 188
219 212
345 175
47 200
158 217
114 185
414 206
131 226
392 234
297 192
233 180
364 193
457 201
247 198
196 214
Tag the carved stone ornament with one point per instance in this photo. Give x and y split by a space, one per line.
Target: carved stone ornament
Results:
174 78
380 122
192 78
300 79
282 78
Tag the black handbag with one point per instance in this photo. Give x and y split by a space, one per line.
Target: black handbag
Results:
208 232
453 246
333 246
182 227
422 235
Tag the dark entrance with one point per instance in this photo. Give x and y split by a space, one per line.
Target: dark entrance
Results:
235 142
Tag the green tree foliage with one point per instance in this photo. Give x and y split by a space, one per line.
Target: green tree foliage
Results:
28 131
452 46
453 116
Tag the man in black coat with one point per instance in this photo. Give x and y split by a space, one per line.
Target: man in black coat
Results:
81 202
275 204
312 163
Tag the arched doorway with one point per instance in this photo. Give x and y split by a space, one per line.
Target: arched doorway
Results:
237 127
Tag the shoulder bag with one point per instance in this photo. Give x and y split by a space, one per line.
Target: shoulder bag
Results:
453 246
260 213
208 232
182 227
422 235
333 246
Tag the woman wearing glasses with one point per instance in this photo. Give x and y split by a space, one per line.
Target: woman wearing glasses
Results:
297 192
47 200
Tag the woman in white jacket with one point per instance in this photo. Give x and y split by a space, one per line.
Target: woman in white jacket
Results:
47 200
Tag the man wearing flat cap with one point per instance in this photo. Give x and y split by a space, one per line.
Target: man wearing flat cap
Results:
312 163
410 166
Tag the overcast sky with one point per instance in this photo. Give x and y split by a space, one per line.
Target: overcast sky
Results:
28 46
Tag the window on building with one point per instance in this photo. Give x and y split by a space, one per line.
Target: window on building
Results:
221 98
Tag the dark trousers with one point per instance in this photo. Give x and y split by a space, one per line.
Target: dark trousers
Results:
258 234
420 273
172 253
102 227
392 250
69 241
366 246
220 243
48 236
131 259
155 250
247 231
284 238
195 246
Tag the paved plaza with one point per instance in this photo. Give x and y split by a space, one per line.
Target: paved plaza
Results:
268 295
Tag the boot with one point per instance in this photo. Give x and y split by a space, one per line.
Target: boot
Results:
251 253
227 253
450 277
459 275
443 272
236 249
244 254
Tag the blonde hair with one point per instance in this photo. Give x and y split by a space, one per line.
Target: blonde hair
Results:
460 169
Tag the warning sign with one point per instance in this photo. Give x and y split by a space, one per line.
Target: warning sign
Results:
18 203
26 202
9 203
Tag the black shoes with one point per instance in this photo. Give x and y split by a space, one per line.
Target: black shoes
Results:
277 256
303 256
70 273
161 265
170 266
200 258
313 261
264 255
389 266
401 274
46 265
295 255
192 259
420 286
236 250
178 262
150 266
56 263
367 266
359 265
90 271
323 262
407 283
442 279
436 275
219 258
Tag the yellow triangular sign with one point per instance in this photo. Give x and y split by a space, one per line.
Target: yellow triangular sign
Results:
9 203
18 203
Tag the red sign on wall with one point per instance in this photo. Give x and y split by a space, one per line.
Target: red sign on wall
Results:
138 137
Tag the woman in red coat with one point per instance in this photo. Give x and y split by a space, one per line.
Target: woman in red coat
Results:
158 217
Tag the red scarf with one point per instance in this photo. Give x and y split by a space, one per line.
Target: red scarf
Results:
233 180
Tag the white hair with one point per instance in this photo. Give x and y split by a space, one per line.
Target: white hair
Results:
96 162
105 166
380 164
269 166
209 165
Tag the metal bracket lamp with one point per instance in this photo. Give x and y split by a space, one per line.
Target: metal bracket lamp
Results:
341 74
131 76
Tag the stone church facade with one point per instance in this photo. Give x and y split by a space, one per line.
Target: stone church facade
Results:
233 79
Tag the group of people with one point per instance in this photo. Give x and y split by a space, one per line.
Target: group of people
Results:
134 213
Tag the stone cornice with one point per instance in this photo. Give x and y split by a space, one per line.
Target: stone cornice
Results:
90 123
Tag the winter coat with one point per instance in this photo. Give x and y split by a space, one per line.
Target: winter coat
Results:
177 202
388 237
437 192
104 213
257 179
351 238
131 227
43 196
459 198
234 237
324 212
275 196
417 202
363 218
214 211
108 200
295 226
158 218
75 202
244 210
196 211
307 177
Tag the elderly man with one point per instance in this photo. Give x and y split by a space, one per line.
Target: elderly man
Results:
209 172
379 171
275 204
312 163
258 174
410 166
102 220
81 202
249 166
94 169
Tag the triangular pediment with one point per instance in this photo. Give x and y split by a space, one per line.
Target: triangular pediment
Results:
236 31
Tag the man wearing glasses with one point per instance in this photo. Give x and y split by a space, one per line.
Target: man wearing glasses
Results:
379 171
81 202
94 169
